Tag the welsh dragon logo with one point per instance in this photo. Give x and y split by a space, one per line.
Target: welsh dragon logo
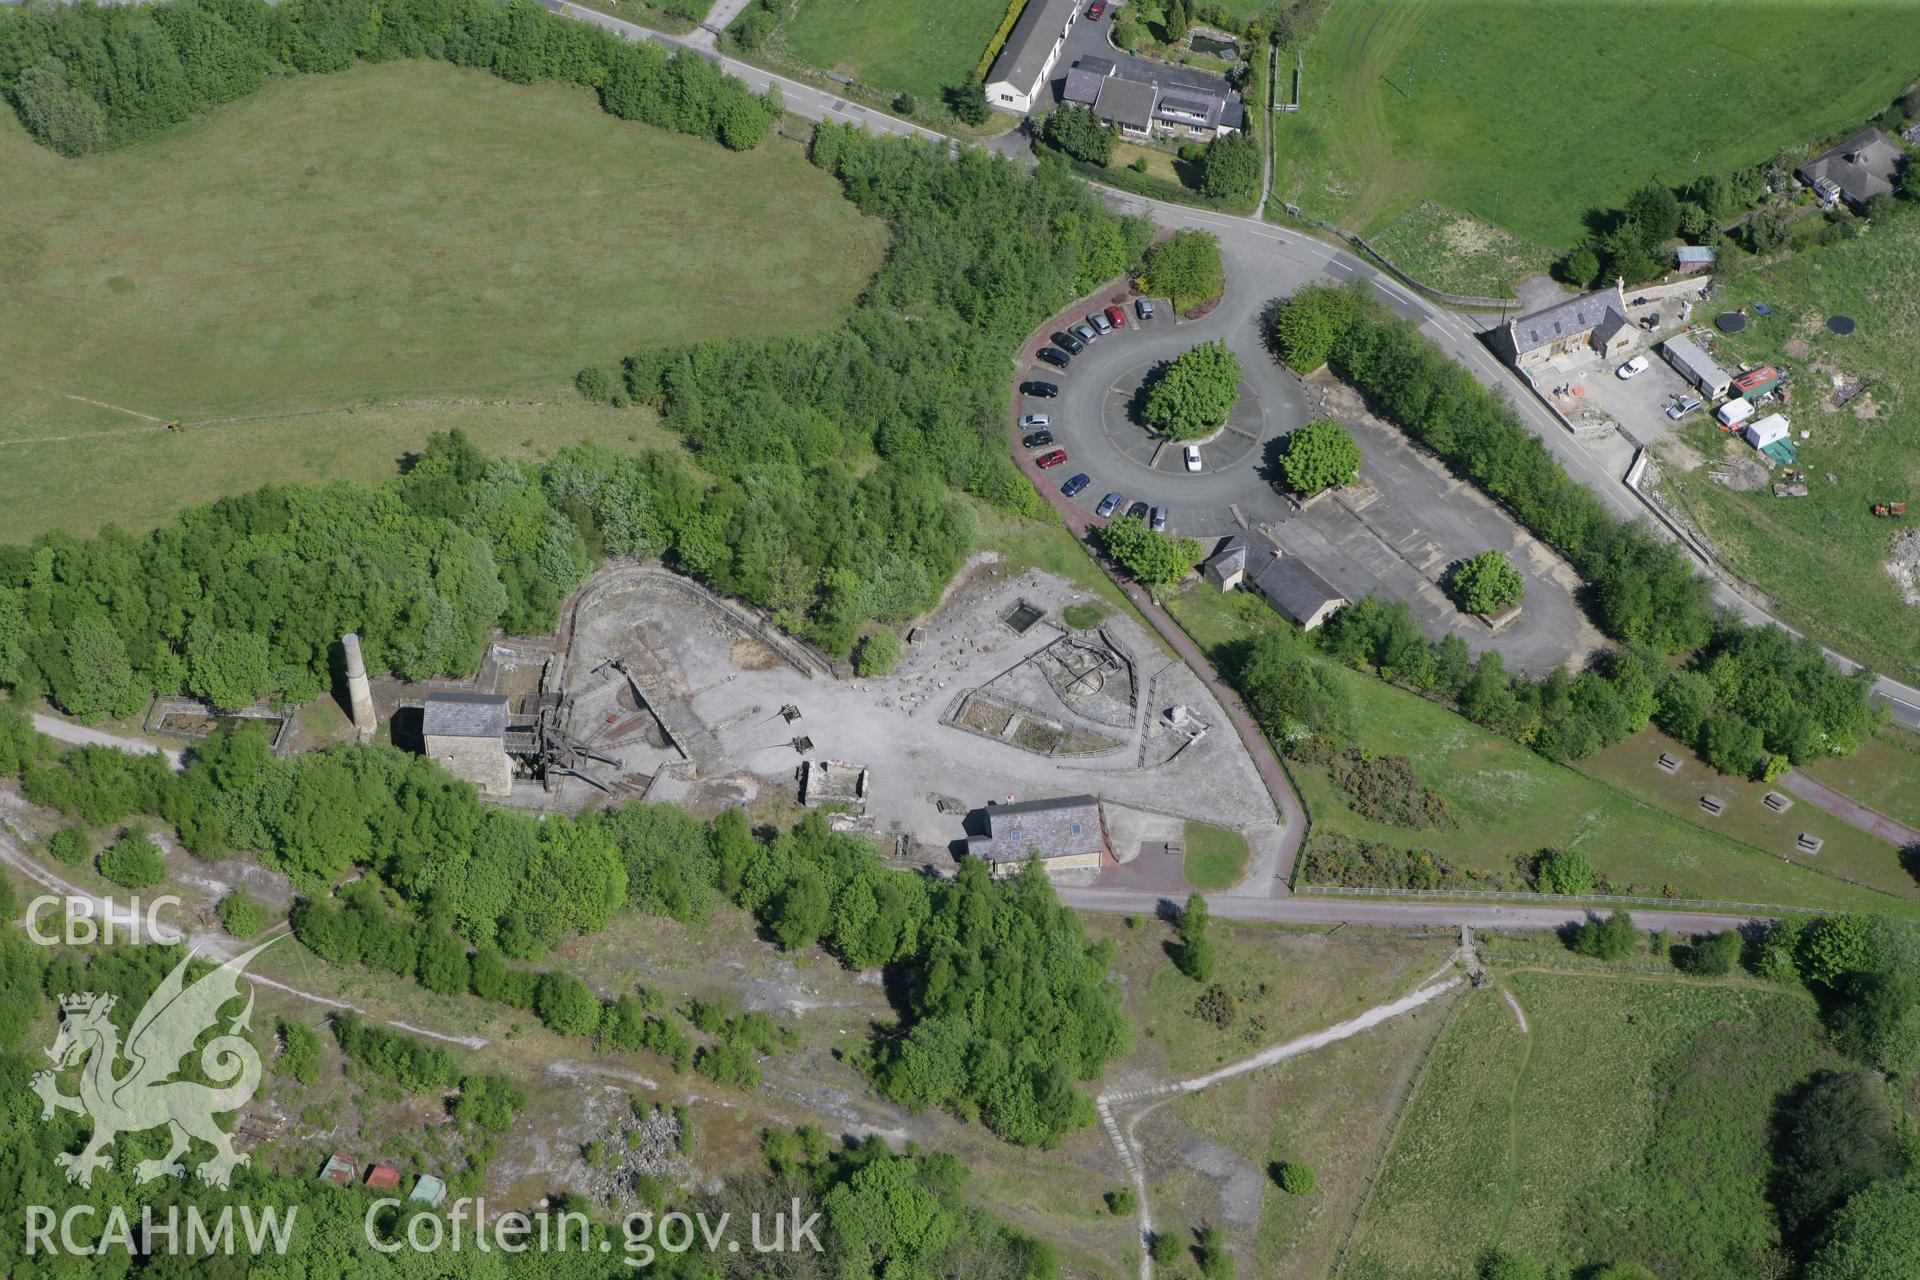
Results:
145 1095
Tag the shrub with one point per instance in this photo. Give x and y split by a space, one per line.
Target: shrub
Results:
1319 455
1487 583
240 915
1164 1248
1120 1202
1185 268
132 861
1385 789
71 845
879 653
1216 1005
1145 556
597 383
1193 395
1612 939
1562 871
1302 331
299 1051
566 1005
1294 1177
1712 956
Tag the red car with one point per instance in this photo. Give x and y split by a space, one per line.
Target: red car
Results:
1053 459
1117 317
1095 9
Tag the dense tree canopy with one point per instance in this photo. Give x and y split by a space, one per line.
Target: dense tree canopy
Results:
1145 556
86 77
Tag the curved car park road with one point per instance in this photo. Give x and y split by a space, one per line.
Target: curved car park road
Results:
1092 422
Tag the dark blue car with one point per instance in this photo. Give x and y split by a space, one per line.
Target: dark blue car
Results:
1076 484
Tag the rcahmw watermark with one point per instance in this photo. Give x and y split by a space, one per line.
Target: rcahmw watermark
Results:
186 1232
644 1236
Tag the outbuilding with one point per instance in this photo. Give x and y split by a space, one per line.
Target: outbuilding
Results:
1290 585
1771 429
1755 383
1693 259
1018 80
1696 366
465 734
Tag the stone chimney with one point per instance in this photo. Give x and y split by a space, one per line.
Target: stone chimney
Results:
359 692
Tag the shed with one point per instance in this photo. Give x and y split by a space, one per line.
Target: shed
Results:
1734 412
1755 383
428 1189
383 1177
1696 366
339 1170
1227 566
1066 833
1764 431
1692 258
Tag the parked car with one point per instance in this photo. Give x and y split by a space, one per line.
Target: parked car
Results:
1055 357
1044 390
1639 364
1098 319
1075 485
1117 317
1683 406
1095 9
1085 332
1159 520
1034 421
1143 307
1053 459
1193 457
1038 440
1107 505
1138 511
1067 342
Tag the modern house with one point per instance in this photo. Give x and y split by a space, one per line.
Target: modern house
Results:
1018 79
1066 834
466 735
1862 167
1593 323
1697 367
1143 98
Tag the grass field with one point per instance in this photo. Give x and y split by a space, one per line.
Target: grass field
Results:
1216 857
1884 775
893 45
1848 852
1458 254
446 238
1823 558
1562 106
1592 1136
1511 803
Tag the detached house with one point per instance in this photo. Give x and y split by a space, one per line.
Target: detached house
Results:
1592 323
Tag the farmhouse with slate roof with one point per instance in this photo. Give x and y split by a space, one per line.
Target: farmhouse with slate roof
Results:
1592 323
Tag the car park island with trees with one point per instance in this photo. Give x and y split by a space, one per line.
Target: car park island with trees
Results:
1027 641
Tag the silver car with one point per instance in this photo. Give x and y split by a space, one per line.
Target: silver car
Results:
1107 505
1086 333
1100 322
1159 520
